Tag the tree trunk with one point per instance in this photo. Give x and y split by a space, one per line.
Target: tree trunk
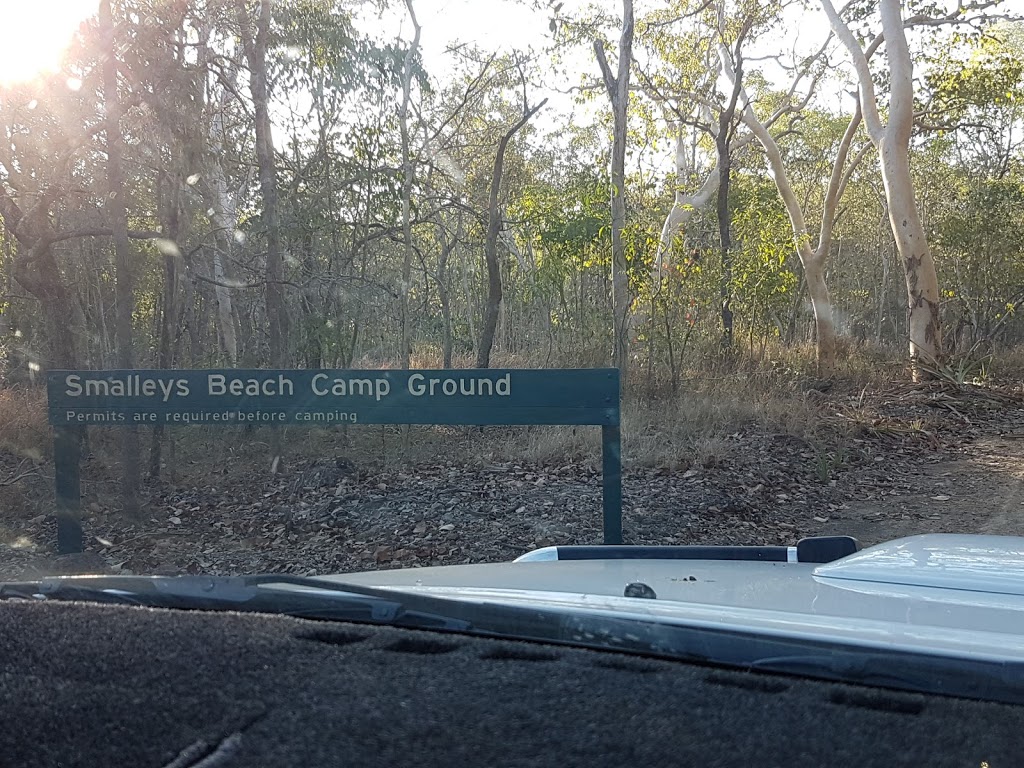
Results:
124 289
444 291
221 206
683 207
723 141
224 221
894 155
884 292
919 269
170 220
407 180
821 304
495 218
54 298
724 227
812 260
618 93
892 140
277 321
312 311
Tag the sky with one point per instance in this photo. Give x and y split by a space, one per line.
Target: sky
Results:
34 33
502 25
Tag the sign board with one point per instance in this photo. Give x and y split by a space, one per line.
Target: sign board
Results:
322 398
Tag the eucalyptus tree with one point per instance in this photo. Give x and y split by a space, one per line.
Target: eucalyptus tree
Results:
35 166
617 85
677 69
55 185
496 221
255 37
683 78
409 171
811 258
342 177
889 125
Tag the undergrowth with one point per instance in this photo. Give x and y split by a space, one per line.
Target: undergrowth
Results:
665 423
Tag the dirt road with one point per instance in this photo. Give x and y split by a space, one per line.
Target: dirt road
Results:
980 492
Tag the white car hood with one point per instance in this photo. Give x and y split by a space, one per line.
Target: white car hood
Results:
946 594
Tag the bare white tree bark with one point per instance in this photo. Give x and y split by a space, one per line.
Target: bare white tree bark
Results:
892 140
811 258
219 201
685 204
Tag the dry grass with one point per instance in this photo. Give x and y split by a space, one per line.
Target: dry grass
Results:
1004 366
25 444
717 396
24 431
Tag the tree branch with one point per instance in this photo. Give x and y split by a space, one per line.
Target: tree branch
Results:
606 71
868 99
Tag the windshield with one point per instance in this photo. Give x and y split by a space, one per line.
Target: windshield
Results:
318 287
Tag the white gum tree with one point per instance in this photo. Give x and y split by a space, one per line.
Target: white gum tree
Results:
812 255
891 135
685 203
891 138
691 106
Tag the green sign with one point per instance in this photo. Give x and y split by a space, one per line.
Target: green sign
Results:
322 398
331 397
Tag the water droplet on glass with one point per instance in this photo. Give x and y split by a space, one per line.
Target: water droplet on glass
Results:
167 247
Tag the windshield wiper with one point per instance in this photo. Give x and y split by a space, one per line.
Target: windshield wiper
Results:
307 598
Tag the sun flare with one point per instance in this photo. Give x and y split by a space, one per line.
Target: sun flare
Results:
34 35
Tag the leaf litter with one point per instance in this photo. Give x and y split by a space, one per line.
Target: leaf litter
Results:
905 461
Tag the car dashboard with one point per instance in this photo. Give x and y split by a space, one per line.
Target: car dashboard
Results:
113 686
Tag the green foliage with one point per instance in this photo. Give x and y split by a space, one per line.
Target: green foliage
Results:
320 48
992 76
980 246
764 262
961 370
567 226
